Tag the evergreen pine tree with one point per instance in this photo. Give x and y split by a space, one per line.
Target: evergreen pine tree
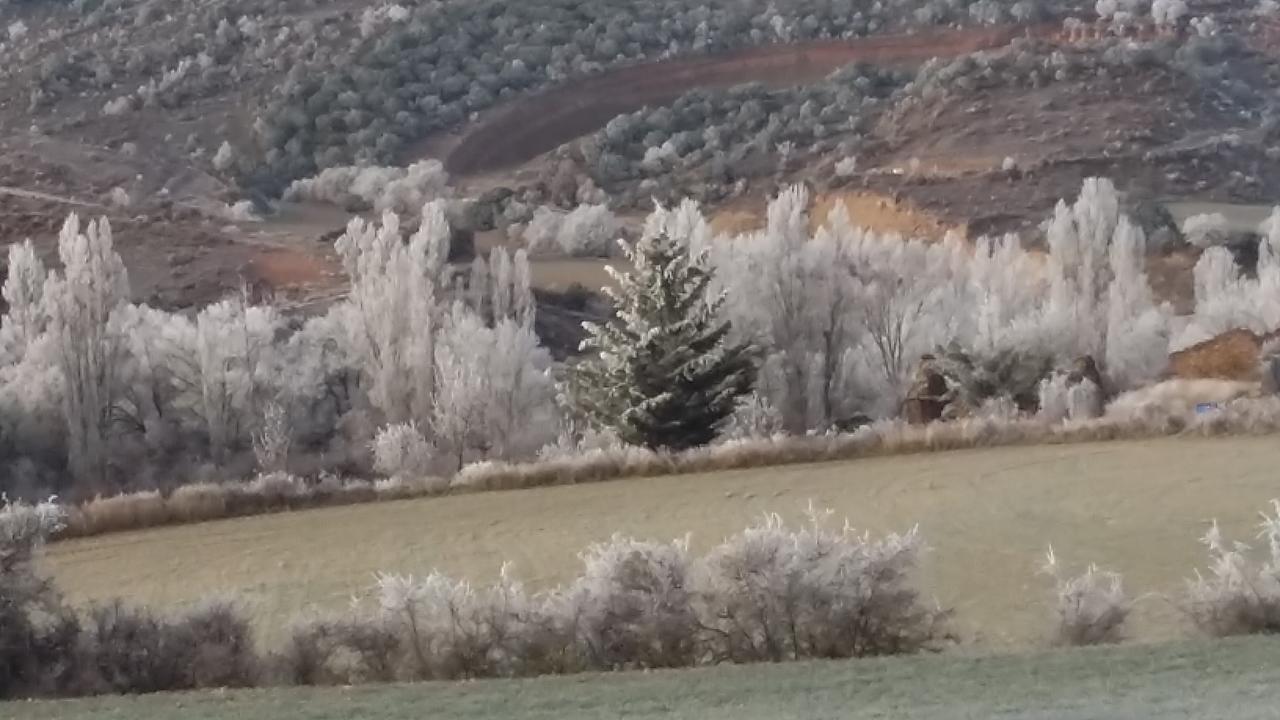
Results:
666 376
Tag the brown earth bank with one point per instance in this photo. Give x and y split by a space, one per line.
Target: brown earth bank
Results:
520 131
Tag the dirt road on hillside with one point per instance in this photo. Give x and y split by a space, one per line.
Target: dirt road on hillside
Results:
525 128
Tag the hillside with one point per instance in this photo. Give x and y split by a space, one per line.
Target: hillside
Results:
185 121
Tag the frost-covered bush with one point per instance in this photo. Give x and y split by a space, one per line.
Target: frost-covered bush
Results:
1206 230
772 593
753 417
271 444
1239 594
450 629
571 443
343 651
130 650
1174 401
386 189
38 634
1167 13
1091 608
768 593
242 211
585 231
277 489
635 605
225 156
400 451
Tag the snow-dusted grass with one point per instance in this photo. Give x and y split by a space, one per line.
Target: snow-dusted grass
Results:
1183 681
1136 507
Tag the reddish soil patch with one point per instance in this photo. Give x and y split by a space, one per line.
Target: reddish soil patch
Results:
526 128
287 269
1232 355
873 211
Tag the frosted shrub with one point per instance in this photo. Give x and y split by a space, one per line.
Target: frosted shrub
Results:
1054 398
344 651
451 630
1206 230
1240 595
400 487
570 444
277 488
1205 26
131 650
1000 408
1240 416
1173 401
271 444
1167 13
394 189
400 451
17 31
24 528
771 593
118 106
241 211
753 417
37 633
585 231
1091 607
1084 401
223 159
635 608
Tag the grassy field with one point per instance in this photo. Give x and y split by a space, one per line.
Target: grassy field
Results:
1235 679
1138 507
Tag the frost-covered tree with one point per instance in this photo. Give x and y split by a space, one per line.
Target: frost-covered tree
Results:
223 159
667 374
495 389
1225 300
24 294
1099 301
458 359
796 295
31 381
393 310
232 346
1137 340
1167 13
80 302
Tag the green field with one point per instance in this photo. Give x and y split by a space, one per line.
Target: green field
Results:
1236 679
1138 507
